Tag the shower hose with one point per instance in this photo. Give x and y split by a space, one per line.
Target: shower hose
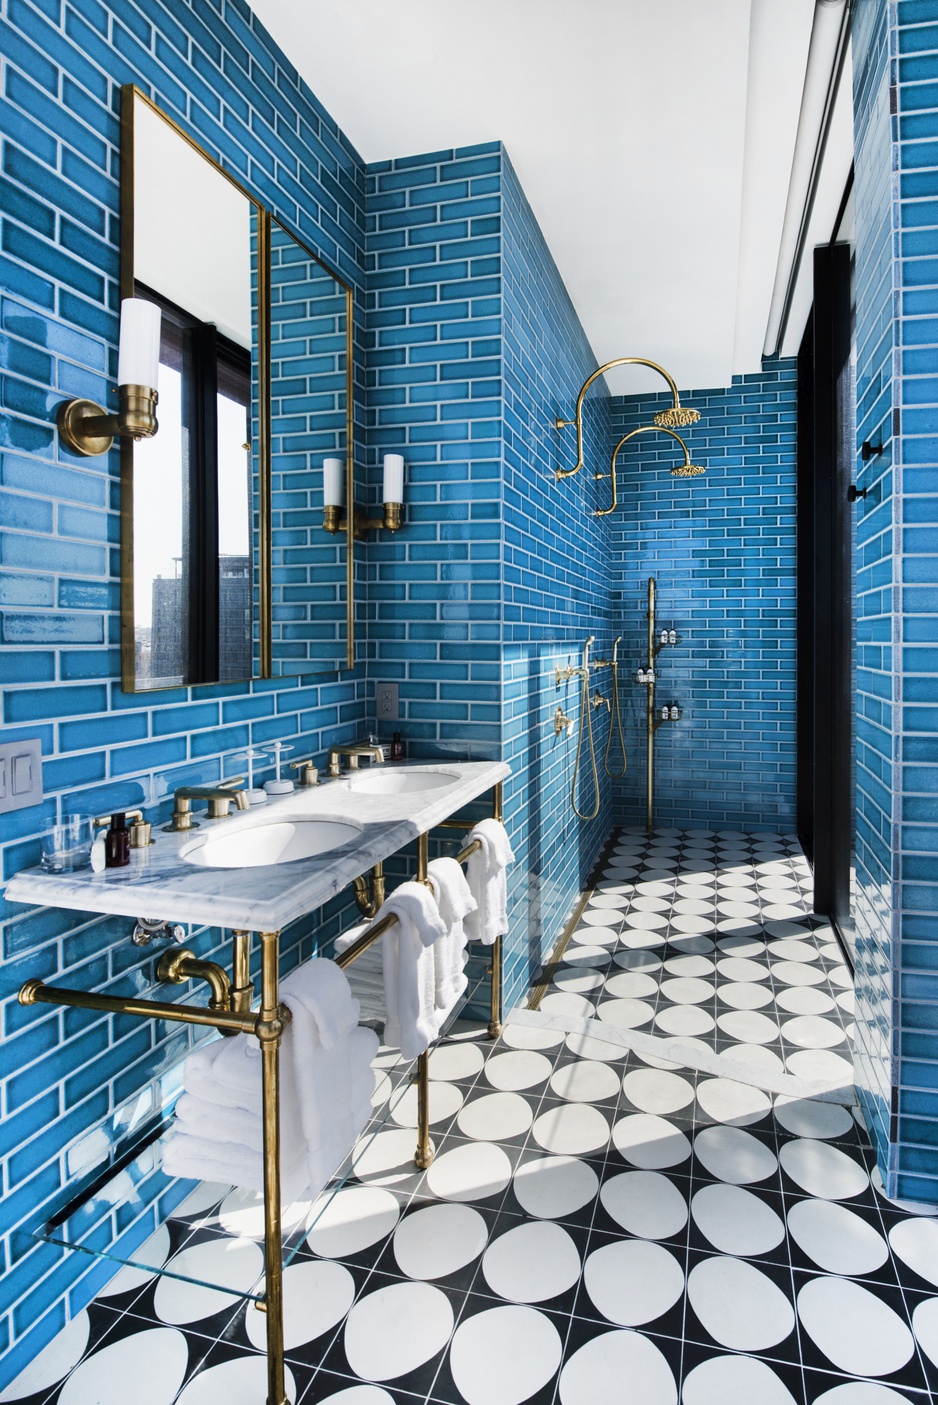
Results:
615 721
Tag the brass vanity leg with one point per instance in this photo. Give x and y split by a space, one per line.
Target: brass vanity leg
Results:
497 801
269 1034
425 1153
242 988
495 972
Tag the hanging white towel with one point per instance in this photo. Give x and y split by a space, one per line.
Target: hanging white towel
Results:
326 1082
486 872
409 969
455 901
324 990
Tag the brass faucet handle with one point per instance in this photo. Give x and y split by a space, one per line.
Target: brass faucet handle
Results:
309 774
104 821
562 723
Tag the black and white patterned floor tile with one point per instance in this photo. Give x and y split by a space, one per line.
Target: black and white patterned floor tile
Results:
598 1222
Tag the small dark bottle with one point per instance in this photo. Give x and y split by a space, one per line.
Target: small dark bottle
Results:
117 843
397 747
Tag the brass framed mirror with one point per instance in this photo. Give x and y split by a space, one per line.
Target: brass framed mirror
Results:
226 570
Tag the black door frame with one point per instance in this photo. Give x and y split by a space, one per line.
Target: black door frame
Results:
824 615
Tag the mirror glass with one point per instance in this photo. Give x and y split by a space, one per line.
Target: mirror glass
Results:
310 316
227 571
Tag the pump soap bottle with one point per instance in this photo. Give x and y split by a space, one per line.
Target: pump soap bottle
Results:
117 843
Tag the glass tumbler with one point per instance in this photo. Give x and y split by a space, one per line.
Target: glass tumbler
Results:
67 846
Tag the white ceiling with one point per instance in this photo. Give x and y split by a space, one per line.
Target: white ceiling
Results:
653 140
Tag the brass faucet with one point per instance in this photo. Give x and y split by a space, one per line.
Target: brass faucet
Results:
353 753
219 799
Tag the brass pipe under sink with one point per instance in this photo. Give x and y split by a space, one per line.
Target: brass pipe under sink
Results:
181 965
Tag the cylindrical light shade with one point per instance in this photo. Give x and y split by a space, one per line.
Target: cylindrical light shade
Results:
393 478
138 360
333 482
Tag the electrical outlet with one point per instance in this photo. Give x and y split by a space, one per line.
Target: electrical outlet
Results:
386 702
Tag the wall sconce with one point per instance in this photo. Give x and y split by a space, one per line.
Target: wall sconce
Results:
676 416
88 428
333 519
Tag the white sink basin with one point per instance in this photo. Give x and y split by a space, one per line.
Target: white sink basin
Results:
271 842
382 782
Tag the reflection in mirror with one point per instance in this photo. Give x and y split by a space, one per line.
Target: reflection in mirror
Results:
192 504
196 247
310 404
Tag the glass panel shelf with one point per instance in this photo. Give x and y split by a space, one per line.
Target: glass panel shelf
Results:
124 1216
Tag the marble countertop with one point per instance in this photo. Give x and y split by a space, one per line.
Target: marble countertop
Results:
159 883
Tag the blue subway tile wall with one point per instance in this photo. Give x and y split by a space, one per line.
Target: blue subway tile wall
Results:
308 424
722 550
434 379
557 591
876 907
501 573
897 764
217 73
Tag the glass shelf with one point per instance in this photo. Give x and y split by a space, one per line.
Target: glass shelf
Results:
128 1213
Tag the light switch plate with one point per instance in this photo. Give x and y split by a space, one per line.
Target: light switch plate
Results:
386 702
20 774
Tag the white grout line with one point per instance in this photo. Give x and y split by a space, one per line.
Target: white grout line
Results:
690 1056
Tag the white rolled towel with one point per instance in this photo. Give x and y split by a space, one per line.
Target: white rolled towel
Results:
486 871
455 902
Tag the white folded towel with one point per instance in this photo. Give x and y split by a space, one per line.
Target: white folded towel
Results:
231 1163
326 1082
409 968
455 901
351 936
486 872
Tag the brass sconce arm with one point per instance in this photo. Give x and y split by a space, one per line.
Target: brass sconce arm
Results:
684 470
677 414
335 521
88 429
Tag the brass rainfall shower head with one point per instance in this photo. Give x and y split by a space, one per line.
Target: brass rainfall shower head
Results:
676 417
683 470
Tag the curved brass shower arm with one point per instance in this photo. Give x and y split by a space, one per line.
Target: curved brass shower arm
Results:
686 416
642 429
